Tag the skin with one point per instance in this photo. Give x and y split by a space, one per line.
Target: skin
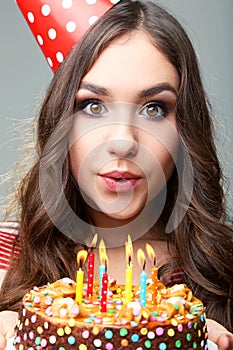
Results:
141 66
123 141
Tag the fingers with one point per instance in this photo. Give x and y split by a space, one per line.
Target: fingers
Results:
225 341
215 330
8 321
2 342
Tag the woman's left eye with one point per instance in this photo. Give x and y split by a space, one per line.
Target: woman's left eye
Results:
154 110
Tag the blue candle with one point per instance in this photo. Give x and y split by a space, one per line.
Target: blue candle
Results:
143 288
102 271
142 261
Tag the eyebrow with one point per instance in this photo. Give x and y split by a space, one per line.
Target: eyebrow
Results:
154 90
96 89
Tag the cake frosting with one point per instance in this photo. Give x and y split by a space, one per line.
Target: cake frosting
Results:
50 318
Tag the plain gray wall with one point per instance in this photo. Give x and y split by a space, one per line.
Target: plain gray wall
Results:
25 74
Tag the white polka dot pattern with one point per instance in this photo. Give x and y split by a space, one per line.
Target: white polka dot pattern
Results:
59 25
45 10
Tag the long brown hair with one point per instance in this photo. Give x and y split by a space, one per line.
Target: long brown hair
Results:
203 239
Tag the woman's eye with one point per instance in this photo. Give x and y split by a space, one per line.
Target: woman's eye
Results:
93 108
154 110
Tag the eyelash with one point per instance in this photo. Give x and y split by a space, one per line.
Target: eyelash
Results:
162 108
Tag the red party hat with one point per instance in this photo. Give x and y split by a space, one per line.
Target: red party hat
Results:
59 24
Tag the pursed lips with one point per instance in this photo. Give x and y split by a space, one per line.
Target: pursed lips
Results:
120 181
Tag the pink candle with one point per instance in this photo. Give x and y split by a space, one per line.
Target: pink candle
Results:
104 292
90 276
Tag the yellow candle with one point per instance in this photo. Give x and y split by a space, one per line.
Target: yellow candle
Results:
128 271
128 282
81 258
79 286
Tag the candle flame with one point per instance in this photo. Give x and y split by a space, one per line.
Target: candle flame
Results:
94 241
81 258
151 253
129 250
102 253
141 258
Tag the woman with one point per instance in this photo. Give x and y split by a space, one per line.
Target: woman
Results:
127 150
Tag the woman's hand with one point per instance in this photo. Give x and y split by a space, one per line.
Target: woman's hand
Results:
219 335
8 321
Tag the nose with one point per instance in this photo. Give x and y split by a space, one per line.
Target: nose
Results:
123 141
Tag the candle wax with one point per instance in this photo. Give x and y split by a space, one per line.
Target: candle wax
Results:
79 286
143 288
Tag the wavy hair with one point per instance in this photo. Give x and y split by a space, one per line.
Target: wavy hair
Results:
203 238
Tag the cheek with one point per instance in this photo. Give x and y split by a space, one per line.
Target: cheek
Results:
164 160
77 154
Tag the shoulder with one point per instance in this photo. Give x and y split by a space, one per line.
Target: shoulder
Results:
8 235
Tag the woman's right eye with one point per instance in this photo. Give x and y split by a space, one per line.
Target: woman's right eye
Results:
93 108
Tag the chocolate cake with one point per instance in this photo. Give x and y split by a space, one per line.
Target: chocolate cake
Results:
50 318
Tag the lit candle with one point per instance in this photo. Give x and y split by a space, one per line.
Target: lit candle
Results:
103 261
129 271
104 292
154 273
142 261
81 258
91 267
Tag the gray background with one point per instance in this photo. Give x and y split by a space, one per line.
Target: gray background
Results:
25 75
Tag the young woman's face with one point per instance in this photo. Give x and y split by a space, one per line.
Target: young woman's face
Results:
124 141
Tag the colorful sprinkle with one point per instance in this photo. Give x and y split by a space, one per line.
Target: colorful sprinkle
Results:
52 339
43 343
124 342
190 325
174 322
60 332
31 335
151 335
159 331
33 319
162 346
39 330
178 344
108 334
37 340
71 340
97 343
143 331
123 332
67 330
180 328
147 344
171 332
71 322
85 334
135 338
95 330
82 347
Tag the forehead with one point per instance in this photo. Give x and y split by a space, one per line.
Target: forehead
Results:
132 60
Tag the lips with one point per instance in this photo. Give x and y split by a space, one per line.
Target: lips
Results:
120 181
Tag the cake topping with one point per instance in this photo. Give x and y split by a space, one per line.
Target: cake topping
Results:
57 300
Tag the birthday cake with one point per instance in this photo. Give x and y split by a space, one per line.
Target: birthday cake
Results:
51 318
